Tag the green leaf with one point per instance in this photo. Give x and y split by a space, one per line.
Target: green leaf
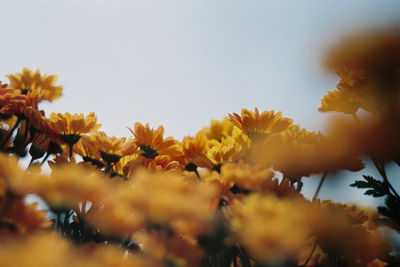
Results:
375 188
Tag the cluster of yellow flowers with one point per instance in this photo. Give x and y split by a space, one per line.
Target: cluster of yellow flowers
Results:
228 196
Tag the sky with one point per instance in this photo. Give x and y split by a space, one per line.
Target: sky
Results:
182 63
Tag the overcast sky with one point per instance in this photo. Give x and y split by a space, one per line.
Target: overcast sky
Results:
182 63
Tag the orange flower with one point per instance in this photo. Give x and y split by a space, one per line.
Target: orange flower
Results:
272 229
228 150
110 145
111 148
340 101
245 176
75 124
368 65
70 127
11 101
152 142
257 125
89 153
29 81
218 129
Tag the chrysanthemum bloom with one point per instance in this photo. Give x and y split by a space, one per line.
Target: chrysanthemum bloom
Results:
329 222
111 148
297 153
194 150
11 101
89 153
229 149
341 101
70 127
368 65
51 249
218 129
293 153
272 230
127 165
246 176
259 126
152 143
168 199
29 81
15 214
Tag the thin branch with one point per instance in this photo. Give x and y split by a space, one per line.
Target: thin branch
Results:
311 253
320 185
381 169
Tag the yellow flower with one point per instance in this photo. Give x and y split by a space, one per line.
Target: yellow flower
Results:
170 199
51 249
257 125
11 101
70 127
218 129
126 166
111 148
340 101
330 222
29 81
152 143
273 230
73 124
368 64
246 176
228 150
89 153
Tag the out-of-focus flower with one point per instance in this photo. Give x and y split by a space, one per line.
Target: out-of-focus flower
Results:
369 67
183 205
273 230
218 129
26 218
174 249
50 249
297 153
152 142
340 101
331 221
246 176
11 101
29 81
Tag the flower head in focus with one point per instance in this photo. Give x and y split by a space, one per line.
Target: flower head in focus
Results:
111 148
257 125
70 126
152 142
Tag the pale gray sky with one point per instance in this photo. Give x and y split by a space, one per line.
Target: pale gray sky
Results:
182 63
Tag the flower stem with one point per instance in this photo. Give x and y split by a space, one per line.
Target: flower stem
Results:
320 185
311 253
10 133
381 169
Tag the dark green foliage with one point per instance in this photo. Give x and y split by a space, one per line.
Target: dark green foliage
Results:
376 188
391 212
